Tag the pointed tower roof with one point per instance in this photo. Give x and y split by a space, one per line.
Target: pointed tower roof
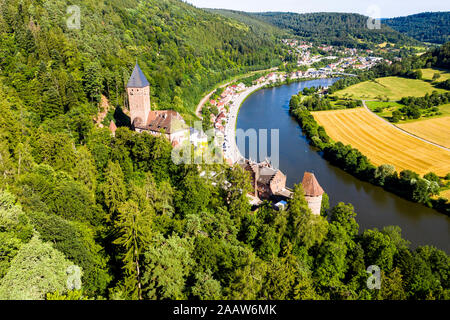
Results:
137 79
311 186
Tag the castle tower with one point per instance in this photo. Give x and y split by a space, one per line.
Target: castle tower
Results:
313 192
138 89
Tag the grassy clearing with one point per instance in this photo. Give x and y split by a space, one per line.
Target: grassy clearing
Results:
427 74
444 110
436 130
389 107
393 88
382 143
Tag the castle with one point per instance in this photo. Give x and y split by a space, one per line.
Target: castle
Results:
267 182
270 183
160 122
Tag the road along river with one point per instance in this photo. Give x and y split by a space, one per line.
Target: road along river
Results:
376 208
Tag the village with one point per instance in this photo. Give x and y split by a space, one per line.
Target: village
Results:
339 59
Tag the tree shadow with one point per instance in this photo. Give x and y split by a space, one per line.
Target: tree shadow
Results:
121 119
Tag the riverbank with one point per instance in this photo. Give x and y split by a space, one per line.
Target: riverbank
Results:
231 151
198 110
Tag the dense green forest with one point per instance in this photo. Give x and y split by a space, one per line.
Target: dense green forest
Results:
258 25
430 27
116 217
183 51
340 29
139 226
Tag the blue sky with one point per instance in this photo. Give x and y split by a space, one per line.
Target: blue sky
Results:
386 8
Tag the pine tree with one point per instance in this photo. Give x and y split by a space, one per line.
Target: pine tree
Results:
134 224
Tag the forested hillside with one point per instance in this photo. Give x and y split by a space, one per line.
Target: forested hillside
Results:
431 27
182 50
255 23
346 29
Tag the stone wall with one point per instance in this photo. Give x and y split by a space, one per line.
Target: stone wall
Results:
139 102
314 203
278 182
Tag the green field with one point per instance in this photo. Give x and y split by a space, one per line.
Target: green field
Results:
427 74
393 88
389 107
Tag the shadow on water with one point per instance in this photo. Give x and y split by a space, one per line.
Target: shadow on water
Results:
376 208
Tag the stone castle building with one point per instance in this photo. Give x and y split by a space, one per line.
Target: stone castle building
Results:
270 183
313 192
167 122
267 182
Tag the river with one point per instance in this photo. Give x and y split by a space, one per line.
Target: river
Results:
375 208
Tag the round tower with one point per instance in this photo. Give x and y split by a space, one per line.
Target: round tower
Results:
313 192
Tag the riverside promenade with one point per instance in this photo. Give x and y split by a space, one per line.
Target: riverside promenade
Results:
231 151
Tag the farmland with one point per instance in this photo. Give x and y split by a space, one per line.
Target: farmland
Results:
436 130
445 194
393 88
383 143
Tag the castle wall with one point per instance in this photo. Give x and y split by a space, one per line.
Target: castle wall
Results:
139 102
315 204
278 182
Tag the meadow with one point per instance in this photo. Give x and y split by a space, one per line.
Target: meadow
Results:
392 88
383 143
428 73
388 107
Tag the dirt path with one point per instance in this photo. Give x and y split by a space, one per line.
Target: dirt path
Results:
404 131
104 108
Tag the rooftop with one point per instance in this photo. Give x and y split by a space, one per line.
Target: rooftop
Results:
168 120
311 186
137 79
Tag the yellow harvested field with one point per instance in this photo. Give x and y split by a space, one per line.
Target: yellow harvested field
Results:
436 130
445 194
383 143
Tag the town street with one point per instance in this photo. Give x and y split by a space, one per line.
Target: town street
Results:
231 151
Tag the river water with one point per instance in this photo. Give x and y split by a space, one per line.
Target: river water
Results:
375 208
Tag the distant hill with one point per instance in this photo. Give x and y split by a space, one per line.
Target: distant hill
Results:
431 27
256 24
348 29
183 51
